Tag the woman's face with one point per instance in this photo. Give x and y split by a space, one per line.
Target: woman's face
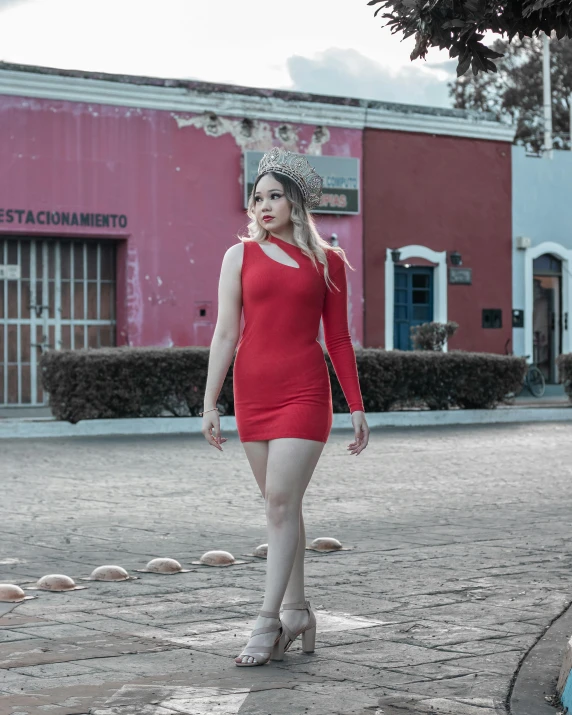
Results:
271 207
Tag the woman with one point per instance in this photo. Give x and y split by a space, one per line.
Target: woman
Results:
286 278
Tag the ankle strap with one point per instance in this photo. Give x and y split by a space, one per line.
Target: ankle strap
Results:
269 614
299 606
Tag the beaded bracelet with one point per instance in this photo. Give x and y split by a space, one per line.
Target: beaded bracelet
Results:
202 413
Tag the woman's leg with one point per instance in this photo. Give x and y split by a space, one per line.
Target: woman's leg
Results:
257 455
290 465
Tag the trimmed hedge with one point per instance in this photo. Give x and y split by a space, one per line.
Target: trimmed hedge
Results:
148 382
564 363
129 382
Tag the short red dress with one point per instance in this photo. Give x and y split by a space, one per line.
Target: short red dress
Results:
281 380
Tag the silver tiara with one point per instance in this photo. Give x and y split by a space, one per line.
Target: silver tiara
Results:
297 168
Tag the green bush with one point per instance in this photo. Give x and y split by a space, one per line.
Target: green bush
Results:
129 382
432 336
148 382
433 379
564 363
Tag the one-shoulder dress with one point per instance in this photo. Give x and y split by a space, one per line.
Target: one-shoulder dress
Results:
280 377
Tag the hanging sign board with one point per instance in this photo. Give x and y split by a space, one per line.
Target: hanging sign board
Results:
340 193
9 273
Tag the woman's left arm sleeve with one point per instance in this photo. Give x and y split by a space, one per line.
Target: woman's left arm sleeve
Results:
337 335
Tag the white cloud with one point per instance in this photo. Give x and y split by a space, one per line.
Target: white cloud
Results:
348 73
305 43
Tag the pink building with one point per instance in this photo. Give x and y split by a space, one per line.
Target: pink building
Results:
120 195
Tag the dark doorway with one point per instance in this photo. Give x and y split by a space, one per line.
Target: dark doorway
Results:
547 311
413 302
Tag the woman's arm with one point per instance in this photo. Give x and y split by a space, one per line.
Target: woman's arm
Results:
227 328
337 336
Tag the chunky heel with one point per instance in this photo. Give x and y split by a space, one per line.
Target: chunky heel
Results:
308 633
278 650
309 640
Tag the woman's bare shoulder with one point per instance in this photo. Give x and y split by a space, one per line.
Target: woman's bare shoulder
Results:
235 253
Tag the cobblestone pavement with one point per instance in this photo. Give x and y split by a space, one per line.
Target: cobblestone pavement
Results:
462 557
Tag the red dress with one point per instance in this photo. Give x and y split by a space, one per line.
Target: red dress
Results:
281 381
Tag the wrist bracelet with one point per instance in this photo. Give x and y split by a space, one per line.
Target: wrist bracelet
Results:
202 413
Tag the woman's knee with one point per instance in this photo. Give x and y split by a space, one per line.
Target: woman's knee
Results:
281 507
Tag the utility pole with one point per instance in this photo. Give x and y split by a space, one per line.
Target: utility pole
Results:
547 97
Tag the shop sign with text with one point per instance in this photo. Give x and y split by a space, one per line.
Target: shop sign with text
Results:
340 193
29 217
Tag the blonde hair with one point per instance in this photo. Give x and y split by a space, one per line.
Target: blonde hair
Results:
306 235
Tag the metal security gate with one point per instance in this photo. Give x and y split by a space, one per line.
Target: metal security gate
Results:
55 294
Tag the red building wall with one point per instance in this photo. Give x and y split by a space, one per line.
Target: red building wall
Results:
446 193
178 182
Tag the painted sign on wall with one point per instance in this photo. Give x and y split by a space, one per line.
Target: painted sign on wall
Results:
340 193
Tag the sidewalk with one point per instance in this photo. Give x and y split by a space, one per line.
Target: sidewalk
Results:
462 558
39 423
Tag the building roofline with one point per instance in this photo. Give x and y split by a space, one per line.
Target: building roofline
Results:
233 100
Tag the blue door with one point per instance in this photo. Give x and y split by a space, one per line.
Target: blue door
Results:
413 302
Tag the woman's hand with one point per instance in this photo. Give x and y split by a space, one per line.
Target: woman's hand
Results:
211 429
361 433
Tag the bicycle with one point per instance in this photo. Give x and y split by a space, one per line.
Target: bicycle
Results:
534 379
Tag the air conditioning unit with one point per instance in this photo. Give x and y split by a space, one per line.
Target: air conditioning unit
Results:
523 242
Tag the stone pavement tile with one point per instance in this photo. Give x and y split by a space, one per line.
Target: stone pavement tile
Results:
6 635
434 634
218 596
54 670
486 647
473 612
11 620
175 660
475 685
387 653
403 703
346 671
328 698
165 613
48 603
514 628
70 696
499 663
56 631
164 700
38 651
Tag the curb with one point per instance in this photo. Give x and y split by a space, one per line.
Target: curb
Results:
564 686
534 685
38 428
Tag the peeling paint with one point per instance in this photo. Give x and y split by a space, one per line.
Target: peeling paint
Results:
288 135
320 137
249 135
134 298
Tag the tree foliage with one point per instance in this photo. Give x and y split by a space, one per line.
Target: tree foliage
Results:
515 92
459 25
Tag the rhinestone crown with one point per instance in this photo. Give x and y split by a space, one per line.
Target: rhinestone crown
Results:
297 168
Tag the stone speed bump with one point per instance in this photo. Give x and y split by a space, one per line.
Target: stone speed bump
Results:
166 567
326 544
218 558
55 582
260 552
10 593
109 572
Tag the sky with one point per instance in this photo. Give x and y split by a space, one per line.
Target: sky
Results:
323 46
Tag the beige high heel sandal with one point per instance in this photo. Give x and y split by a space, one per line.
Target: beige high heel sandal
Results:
308 632
276 651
